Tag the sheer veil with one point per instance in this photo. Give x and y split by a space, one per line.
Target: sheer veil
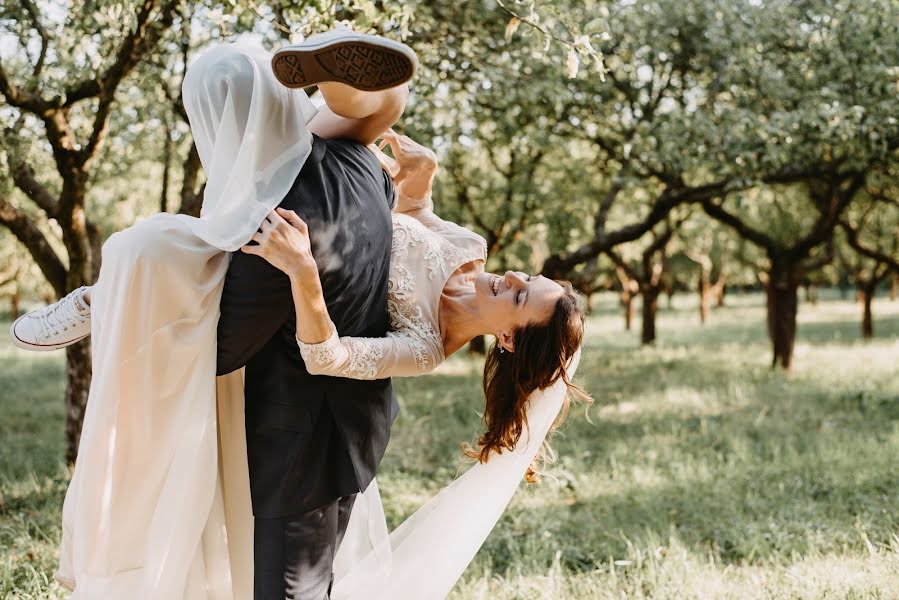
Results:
251 136
158 505
424 557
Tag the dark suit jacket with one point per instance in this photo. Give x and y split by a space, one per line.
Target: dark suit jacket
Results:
313 439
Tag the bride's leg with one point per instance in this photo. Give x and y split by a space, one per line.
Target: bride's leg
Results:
356 114
363 79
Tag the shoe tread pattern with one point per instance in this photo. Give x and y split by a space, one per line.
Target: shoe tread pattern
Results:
366 67
289 69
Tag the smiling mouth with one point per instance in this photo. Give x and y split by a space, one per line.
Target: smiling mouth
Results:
494 285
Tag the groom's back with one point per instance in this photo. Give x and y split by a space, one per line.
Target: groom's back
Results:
313 439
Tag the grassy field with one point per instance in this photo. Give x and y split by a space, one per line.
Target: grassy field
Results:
703 474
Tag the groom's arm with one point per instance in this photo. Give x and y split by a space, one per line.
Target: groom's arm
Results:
257 298
256 301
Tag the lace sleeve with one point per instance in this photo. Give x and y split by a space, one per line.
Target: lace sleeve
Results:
400 354
405 204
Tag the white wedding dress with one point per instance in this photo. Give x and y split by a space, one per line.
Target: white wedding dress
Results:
159 505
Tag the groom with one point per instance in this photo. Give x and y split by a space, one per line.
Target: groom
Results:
315 442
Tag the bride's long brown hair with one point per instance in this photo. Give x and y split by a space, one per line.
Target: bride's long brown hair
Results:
541 355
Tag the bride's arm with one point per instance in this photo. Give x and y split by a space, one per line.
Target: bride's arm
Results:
283 241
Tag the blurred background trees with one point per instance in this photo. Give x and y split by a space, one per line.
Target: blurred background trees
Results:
650 148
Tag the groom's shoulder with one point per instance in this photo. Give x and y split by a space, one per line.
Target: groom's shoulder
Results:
353 151
359 166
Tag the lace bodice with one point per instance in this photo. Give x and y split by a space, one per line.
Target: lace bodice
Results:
426 250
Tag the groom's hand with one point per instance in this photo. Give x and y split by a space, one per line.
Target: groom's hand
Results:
283 241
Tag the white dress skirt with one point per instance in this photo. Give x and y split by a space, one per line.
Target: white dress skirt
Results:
159 505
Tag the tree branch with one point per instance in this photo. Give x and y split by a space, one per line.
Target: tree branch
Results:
717 212
35 15
622 265
465 201
557 266
32 238
191 199
20 98
833 206
810 266
853 238
24 178
605 205
125 58
143 37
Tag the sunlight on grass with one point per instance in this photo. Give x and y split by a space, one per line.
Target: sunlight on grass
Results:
703 474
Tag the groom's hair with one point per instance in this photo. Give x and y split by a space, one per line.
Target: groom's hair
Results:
542 353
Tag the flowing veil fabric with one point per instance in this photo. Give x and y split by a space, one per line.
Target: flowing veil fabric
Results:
428 552
251 136
151 511
159 505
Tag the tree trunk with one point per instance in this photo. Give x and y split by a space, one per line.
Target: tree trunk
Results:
719 294
811 293
867 317
650 307
166 170
478 345
82 262
894 287
78 380
705 295
14 303
191 199
627 301
783 302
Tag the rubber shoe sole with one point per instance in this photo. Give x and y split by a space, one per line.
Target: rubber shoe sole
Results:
36 347
366 65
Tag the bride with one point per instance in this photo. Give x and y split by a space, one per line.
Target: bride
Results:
439 298
159 499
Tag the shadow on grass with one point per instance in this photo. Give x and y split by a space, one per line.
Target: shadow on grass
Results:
818 332
32 409
731 485
752 516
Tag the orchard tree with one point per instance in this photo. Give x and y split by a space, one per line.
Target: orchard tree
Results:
644 275
810 94
707 251
61 89
871 255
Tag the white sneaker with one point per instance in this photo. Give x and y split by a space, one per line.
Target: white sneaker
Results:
55 326
365 62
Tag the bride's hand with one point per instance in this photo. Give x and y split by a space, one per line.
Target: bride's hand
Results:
283 240
409 155
412 167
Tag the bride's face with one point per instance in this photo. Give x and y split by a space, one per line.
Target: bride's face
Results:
514 299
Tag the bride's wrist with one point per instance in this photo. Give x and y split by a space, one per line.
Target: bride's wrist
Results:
412 202
304 272
415 196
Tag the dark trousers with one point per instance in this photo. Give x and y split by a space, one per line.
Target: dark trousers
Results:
294 556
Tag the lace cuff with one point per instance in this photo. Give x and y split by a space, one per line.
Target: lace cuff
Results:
406 203
322 354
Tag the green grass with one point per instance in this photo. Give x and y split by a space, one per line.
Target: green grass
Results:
703 474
